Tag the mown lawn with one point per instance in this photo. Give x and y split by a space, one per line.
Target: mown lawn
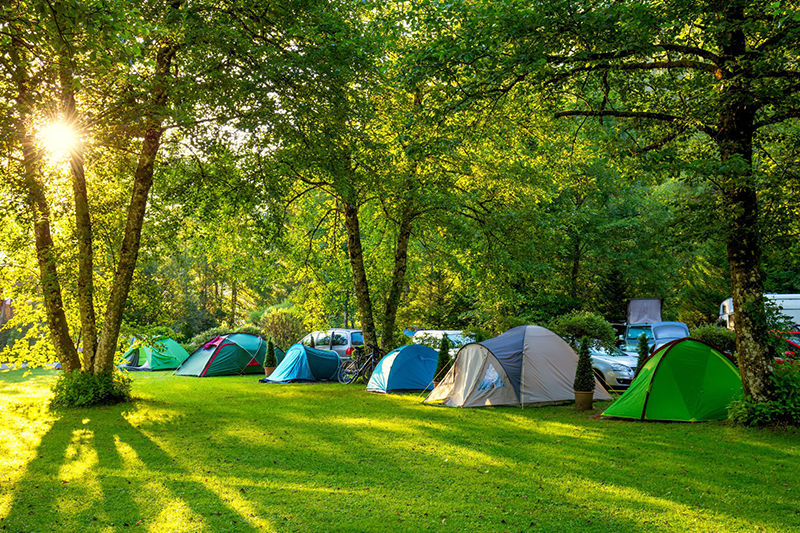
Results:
230 454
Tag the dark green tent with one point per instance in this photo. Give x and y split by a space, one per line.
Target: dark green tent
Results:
229 355
686 380
163 354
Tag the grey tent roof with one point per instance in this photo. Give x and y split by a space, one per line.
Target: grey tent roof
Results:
507 348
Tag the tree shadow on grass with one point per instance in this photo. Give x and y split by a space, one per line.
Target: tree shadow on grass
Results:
96 471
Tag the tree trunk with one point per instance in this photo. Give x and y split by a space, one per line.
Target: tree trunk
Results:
735 141
234 297
398 275
143 180
83 222
354 249
37 205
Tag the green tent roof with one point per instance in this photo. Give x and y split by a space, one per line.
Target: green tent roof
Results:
228 355
686 380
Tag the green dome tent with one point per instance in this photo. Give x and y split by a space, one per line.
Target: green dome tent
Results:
164 354
686 380
229 355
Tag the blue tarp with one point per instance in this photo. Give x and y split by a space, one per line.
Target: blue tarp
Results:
305 364
408 368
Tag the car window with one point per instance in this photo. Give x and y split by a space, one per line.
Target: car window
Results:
635 333
323 340
339 339
357 338
306 340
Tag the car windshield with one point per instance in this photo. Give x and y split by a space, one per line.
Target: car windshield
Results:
357 338
635 333
457 341
671 332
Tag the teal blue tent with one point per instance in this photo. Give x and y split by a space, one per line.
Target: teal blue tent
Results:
303 363
408 368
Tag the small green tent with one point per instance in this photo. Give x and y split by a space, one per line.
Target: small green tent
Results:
686 380
228 355
163 354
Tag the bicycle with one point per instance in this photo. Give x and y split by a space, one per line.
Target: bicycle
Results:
359 367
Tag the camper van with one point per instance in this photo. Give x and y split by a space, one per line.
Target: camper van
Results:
788 303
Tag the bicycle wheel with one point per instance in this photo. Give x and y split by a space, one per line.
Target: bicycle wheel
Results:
348 372
367 373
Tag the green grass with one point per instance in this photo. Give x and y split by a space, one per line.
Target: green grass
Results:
230 454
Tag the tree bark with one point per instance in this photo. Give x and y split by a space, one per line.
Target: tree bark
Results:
398 274
355 251
83 222
143 180
37 205
735 141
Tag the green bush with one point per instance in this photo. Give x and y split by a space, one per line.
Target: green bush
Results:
270 360
579 324
84 389
720 338
584 376
284 326
444 358
202 338
784 408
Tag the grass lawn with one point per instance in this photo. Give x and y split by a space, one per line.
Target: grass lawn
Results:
230 454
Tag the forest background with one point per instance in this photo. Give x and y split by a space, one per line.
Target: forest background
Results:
385 165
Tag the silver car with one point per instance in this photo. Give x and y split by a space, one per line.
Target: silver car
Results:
342 341
615 369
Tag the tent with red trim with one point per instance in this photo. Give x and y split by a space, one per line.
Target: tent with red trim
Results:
229 355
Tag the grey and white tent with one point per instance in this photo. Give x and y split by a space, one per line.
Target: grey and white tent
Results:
526 365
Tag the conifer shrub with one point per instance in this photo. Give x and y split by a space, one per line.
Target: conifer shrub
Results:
443 361
584 376
270 360
644 351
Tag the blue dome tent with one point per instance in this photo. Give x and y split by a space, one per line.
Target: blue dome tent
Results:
303 363
408 368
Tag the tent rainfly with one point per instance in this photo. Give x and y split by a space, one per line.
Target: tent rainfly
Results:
303 363
164 354
408 368
686 380
526 365
228 355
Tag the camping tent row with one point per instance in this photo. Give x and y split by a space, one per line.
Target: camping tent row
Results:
163 354
686 380
228 355
526 365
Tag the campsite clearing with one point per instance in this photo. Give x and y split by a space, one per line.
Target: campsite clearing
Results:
229 454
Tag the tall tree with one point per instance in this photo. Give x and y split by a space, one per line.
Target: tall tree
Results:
722 73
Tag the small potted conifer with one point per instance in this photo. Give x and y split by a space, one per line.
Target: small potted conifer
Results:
443 360
270 361
584 378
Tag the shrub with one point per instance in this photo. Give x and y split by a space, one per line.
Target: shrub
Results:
444 357
202 338
644 351
584 376
578 324
84 389
721 338
270 360
284 326
784 408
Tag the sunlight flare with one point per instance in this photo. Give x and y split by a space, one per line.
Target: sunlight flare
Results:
59 139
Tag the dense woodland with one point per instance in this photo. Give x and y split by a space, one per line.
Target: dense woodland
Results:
390 164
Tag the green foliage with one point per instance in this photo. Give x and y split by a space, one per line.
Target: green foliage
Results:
783 409
644 351
578 324
584 376
283 325
721 338
202 338
270 360
443 360
84 389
